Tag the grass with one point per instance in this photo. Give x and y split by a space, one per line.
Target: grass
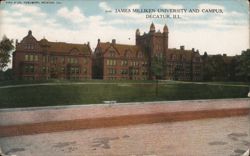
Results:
17 82
122 92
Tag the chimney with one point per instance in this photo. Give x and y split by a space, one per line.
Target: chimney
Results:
30 32
192 49
98 40
182 47
113 41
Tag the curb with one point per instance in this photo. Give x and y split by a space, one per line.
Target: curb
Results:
114 121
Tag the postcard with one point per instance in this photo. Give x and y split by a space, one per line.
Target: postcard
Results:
124 78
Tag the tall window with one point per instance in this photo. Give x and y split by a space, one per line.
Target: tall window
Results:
44 59
44 69
84 70
85 61
36 58
111 62
26 57
31 58
63 59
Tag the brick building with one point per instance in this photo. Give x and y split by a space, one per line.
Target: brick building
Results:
35 60
120 61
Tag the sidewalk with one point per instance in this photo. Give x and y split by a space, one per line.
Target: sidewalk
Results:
62 118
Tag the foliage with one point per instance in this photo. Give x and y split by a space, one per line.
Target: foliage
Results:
6 45
244 66
227 68
6 75
157 67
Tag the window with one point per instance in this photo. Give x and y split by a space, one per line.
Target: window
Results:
52 69
84 70
111 62
85 61
73 60
29 68
53 59
62 69
112 71
63 59
36 58
31 58
26 68
124 71
44 69
77 70
26 57
44 59
111 54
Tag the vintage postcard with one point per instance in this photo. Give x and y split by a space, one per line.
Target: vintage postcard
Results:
124 78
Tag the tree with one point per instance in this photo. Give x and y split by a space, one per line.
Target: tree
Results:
244 66
6 46
157 69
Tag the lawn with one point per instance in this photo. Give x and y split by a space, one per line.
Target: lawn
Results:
120 92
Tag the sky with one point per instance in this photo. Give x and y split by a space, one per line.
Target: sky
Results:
78 21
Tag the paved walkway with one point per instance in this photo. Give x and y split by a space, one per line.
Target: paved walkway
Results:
61 118
17 116
207 137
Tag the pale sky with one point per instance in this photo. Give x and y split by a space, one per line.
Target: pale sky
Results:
85 21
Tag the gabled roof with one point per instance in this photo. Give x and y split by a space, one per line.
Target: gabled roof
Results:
65 47
188 54
121 48
56 47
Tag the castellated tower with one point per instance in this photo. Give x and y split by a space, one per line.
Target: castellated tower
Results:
154 43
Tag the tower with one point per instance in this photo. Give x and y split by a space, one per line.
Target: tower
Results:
153 44
152 28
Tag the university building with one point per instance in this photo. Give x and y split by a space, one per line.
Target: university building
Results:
133 62
36 60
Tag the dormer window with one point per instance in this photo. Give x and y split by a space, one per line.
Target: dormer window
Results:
111 54
29 46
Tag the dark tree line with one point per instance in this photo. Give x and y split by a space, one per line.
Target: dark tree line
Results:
227 68
6 46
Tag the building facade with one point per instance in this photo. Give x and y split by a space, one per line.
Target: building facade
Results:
112 61
134 62
37 60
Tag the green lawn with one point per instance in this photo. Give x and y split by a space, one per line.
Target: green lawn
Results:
122 92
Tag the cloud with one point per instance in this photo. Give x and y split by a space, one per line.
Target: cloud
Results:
213 41
225 21
28 10
124 18
75 15
104 6
210 6
171 6
118 26
134 6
